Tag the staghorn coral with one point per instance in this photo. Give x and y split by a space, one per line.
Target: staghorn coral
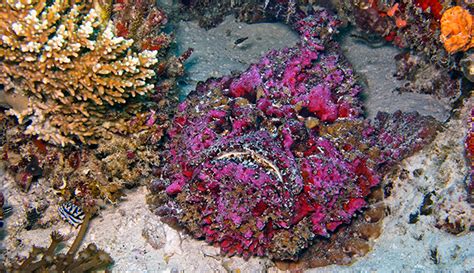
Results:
69 66
457 29
47 260
265 162
94 174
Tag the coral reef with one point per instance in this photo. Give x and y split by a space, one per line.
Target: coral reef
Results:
407 23
88 176
420 76
211 13
114 159
47 175
47 260
142 21
426 31
65 73
264 162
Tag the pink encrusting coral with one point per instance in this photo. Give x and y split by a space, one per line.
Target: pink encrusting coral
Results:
265 162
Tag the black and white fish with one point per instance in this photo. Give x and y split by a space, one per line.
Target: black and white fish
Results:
71 213
5 211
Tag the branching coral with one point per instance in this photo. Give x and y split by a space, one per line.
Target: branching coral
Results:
67 64
125 134
264 162
47 260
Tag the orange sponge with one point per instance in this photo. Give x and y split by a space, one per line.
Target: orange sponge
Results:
457 29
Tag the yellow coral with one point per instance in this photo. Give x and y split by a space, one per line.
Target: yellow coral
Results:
457 29
67 61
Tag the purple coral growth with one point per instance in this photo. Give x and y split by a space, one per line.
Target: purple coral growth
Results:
265 162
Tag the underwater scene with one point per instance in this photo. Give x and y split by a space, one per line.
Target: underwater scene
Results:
236 136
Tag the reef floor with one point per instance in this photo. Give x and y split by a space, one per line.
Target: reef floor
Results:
139 242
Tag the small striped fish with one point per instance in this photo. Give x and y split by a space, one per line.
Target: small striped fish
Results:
4 213
71 213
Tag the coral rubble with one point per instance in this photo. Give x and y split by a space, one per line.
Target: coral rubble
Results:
87 176
265 162
418 75
65 72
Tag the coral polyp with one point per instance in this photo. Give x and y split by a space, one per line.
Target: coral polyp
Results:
265 162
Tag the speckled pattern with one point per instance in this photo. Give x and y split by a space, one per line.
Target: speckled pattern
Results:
264 162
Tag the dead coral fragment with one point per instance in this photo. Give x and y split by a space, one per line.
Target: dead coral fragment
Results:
457 30
46 260
70 66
